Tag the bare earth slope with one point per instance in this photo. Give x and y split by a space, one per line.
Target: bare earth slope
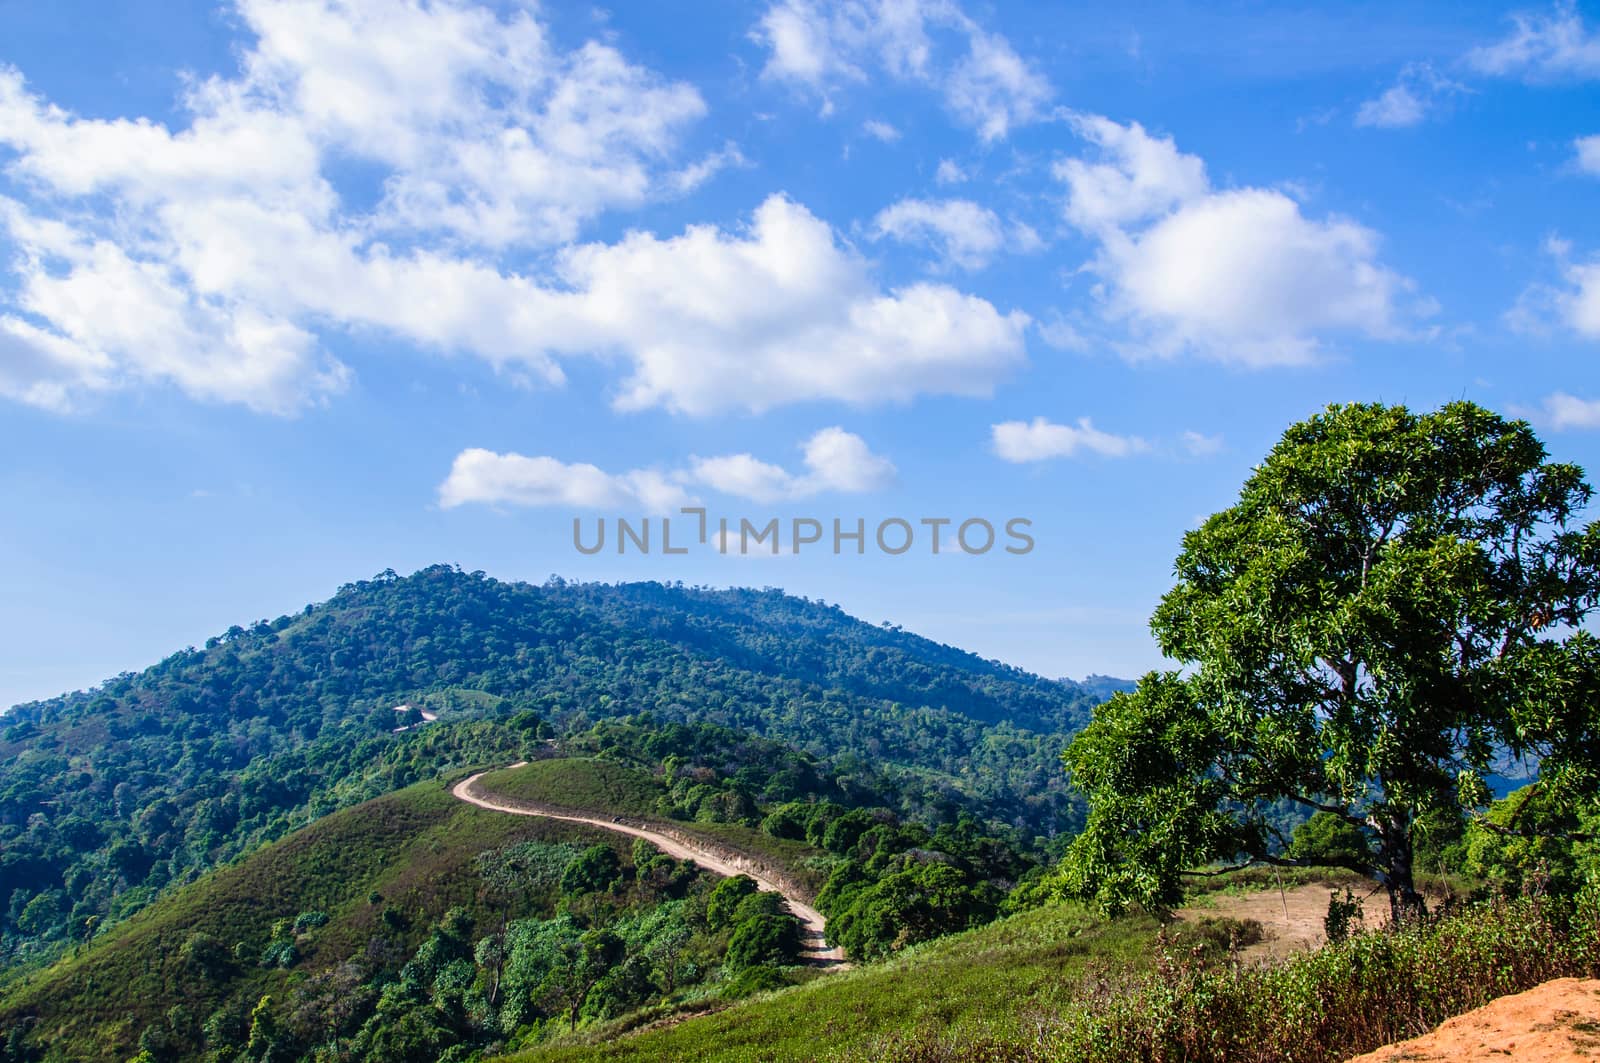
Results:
677 847
1557 1022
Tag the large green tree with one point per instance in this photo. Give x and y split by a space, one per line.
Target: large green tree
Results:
1391 609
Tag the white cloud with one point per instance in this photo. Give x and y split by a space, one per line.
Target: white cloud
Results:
1238 275
207 256
835 460
1199 445
1543 46
818 48
881 131
213 257
1419 92
1588 154
1562 412
482 476
1581 302
963 233
1063 335
1138 176
949 173
1038 440
1574 304
842 461
780 313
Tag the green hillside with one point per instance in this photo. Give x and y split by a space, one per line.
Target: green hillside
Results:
112 796
962 990
401 928
408 856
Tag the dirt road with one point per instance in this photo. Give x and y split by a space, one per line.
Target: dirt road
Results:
815 948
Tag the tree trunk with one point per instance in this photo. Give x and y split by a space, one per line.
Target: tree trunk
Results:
1395 868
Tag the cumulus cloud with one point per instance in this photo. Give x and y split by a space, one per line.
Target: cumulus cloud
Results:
963 233
192 256
1563 412
1573 302
1553 45
1239 275
216 256
780 312
819 48
1040 439
834 461
1420 92
1580 301
482 476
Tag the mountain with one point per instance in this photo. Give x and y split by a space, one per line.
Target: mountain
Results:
112 796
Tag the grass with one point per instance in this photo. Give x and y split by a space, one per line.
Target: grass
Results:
1062 984
413 848
964 985
579 783
593 785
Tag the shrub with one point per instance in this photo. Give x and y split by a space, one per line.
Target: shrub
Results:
1344 999
764 940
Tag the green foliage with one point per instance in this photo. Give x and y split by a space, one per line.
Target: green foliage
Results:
1343 914
753 980
1341 1000
1533 840
764 939
950 994
725 899
110 797
1390 605
593 870
916 902
1327 840
421 848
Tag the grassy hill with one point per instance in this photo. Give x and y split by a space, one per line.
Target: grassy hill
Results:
386 870
591 784
112 796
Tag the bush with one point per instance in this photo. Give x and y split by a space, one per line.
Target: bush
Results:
1345 998
765 940
1331 841
751 980
725 898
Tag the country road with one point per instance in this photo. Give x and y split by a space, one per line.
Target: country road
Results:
815 948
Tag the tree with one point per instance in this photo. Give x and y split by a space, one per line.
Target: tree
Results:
765 939
1392 604
725 898
595 869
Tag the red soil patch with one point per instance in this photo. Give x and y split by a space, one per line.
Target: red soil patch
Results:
1557 1022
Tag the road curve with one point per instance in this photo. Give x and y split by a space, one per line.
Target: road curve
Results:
815 948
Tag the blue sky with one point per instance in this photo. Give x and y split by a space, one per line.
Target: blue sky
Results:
294 291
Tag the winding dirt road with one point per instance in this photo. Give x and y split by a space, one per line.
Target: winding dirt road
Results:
814 943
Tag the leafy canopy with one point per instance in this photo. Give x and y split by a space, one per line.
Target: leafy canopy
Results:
1392 604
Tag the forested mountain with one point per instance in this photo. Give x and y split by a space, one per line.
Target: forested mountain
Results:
109 796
